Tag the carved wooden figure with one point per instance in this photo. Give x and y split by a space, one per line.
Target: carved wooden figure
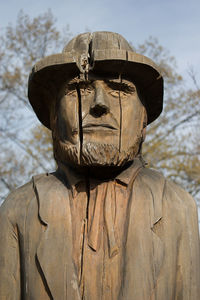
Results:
103 226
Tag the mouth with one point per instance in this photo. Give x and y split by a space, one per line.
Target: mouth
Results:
103 126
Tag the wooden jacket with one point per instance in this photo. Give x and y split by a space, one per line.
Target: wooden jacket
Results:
161 257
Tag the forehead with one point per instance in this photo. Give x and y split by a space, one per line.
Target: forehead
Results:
105 77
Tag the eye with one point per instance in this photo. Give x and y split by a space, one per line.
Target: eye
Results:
86 90
125 93
120 88
70 92
121 93
114 93
127 89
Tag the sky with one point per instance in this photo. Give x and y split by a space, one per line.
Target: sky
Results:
176 23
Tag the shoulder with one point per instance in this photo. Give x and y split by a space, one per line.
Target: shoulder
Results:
18 200
47 185
169 202
172 194
180 198
151 177
152 181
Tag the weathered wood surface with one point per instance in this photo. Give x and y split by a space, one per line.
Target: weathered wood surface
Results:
103 226
160 256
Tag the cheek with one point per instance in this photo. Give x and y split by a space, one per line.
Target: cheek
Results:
68 119
132 122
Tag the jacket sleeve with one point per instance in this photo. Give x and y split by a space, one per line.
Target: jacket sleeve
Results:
9 255
188 268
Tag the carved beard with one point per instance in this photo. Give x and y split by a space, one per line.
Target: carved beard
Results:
94 154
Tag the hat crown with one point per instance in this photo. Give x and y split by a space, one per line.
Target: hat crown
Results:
100 40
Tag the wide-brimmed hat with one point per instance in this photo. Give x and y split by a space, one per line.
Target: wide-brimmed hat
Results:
105 53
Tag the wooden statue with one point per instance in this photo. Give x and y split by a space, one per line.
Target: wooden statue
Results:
103 226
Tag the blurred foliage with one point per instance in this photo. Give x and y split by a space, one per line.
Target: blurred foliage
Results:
172 143
25 145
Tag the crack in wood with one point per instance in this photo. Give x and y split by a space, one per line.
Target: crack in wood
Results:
120 122
80 123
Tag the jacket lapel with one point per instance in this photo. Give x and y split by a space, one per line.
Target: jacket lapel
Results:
144 248
155 183
54 252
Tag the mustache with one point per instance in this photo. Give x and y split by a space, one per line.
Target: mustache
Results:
96 125
89 122
108 121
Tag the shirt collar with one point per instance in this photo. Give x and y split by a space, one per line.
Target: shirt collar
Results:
126 176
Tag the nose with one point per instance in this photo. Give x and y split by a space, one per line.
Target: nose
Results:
100 104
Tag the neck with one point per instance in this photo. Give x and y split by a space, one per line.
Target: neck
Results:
97 172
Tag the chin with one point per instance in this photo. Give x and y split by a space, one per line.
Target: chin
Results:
94 154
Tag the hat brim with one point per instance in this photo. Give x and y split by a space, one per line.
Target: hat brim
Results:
56 69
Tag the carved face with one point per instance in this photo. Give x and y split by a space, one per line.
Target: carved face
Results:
100 117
